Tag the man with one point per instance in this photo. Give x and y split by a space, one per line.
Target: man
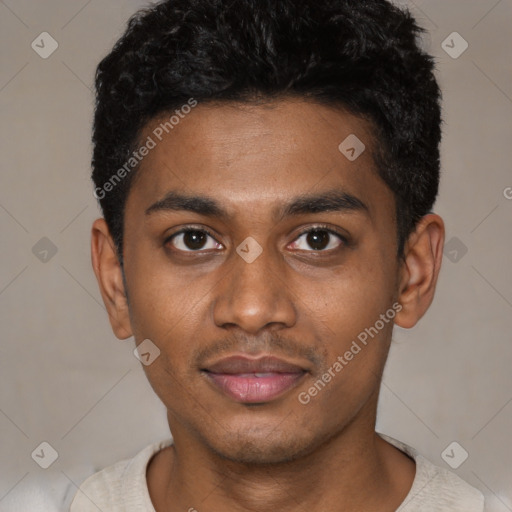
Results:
267 172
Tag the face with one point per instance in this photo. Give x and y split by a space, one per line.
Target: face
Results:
254 290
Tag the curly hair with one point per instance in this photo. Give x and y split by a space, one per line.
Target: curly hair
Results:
361 55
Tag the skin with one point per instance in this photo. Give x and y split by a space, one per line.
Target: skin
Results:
292 301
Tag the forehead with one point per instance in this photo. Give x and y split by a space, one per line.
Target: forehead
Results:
252 156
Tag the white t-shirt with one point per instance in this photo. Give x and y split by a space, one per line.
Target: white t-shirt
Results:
122 487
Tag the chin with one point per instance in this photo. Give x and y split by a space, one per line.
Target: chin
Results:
261 446
251 453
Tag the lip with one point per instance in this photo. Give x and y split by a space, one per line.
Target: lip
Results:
254 380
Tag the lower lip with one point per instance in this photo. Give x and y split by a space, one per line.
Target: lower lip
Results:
251 389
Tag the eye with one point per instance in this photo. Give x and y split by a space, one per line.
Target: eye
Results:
193 240
319 238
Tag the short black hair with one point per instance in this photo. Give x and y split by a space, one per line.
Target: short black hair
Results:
364 56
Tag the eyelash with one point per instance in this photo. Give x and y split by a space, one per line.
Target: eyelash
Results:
316 227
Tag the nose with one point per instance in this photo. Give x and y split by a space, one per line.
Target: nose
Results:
254 294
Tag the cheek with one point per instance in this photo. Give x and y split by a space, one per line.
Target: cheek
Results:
351 300
345 314
162 300
356 346
170 310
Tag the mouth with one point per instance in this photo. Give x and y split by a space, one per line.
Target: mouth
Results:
254 381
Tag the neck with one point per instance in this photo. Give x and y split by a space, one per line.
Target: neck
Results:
354 470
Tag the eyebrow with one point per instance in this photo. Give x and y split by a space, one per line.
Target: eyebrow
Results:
334 200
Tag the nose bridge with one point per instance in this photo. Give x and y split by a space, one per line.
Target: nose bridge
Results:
254 265
253 293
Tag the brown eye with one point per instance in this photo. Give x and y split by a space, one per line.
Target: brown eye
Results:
192 240
318 239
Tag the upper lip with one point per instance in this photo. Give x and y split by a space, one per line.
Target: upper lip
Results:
244 364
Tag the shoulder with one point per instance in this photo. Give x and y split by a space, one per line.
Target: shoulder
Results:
437 489
119 487
101 490
441 490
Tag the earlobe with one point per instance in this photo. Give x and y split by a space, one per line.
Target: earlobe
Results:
110 279
420 269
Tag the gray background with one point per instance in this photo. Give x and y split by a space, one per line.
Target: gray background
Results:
65 378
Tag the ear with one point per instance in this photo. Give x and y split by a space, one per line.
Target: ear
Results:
419 272
110 279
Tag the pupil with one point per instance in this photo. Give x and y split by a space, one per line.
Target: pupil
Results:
318 240
194 239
